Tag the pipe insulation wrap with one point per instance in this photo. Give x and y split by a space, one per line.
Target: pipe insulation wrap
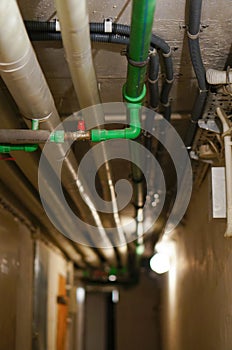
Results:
19 65
15 136
217 77
74 23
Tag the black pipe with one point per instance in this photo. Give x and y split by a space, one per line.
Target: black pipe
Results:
39 26
153 77
109 38
98 28
196 114
44 36
195 54
40 31
16 136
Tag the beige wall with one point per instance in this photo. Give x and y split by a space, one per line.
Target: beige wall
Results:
16 273
137 316
198 298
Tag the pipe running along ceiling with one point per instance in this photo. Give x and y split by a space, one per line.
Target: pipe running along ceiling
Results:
165 71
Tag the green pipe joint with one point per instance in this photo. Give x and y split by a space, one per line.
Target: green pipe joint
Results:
128 133
57 136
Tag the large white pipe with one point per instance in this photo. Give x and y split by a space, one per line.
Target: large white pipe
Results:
24 78
74 23
19 66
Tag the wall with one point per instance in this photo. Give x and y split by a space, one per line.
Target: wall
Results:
16 263
198 298
95 323
137 316
50 264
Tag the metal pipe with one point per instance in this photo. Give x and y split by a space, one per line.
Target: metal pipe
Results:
19 136
25 136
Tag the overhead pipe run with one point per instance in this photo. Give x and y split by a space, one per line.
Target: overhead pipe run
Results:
120 35
23 76
29 168
74 23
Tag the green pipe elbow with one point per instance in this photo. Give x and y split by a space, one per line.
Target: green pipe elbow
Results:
128 133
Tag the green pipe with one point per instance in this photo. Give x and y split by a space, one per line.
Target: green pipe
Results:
5 148
128 133
134 90
140 36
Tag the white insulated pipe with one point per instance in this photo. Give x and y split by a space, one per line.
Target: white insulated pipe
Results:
217 77
19 67
24 78
74 24
228 168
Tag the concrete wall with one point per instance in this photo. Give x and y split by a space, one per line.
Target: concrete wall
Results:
198 298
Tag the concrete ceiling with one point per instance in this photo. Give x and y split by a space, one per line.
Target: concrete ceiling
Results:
169 23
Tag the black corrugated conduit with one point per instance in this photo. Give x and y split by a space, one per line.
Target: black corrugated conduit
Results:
195 54
47 31
153 78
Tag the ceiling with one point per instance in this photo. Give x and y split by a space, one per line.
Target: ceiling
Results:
170 23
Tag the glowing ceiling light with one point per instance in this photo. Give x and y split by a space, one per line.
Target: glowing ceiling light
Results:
160 263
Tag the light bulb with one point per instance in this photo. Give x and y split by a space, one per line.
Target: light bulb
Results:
160 263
